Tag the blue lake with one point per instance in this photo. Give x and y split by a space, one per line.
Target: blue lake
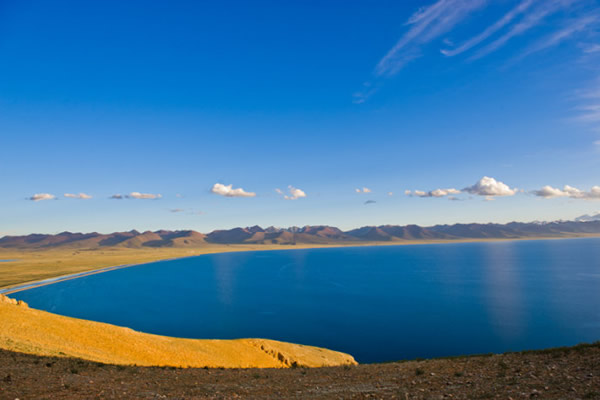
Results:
376 303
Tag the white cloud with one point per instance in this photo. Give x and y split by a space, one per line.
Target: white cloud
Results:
432 193
550 192
487 186
490 30
294 193
42 196
390 193
363 190
228 191
77 196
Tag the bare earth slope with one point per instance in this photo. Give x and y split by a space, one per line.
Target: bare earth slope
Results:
37 332
569 373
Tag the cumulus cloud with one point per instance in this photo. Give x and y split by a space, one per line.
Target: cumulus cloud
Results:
77 196
363 190
42 196
294 193
490 187
229 191
432 193
549 192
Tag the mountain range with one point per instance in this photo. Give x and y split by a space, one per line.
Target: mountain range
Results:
306 235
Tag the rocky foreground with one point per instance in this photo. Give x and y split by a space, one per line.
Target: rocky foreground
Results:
565 373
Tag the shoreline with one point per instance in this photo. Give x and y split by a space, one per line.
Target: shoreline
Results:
239 248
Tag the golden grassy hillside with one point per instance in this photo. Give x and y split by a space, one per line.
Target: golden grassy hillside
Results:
38 332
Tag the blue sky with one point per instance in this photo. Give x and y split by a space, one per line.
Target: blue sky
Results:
159 102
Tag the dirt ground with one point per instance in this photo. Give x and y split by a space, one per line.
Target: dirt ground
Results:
556 373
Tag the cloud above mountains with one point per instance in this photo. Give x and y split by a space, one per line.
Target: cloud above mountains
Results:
294 193
490 187
549 192
229 191
486 186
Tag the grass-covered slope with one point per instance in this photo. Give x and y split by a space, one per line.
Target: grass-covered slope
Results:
33 331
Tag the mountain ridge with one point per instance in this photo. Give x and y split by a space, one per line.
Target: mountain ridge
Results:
317 234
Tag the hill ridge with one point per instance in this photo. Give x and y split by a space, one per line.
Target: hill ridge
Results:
309 234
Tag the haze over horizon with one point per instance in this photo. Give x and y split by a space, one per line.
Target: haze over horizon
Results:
117 116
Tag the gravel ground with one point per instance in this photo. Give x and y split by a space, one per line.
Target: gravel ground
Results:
555 373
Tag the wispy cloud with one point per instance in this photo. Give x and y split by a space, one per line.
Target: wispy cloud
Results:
490 187
82 196
229 191
441 17
573 27
188 212
369 202
592 48
136 195
426 24
41 196
294 193
490 30
529 21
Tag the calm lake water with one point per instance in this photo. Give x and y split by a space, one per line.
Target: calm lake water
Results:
376 303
